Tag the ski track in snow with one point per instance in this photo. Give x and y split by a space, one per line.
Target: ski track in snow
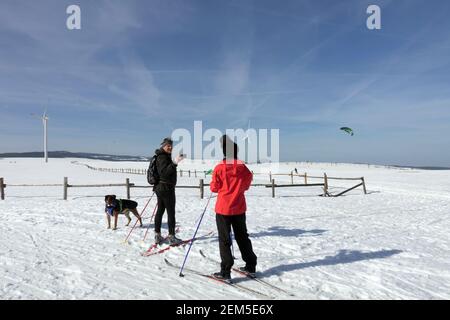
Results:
390 244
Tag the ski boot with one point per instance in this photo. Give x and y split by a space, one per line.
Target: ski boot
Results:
251 271
158 238
222 276
173 241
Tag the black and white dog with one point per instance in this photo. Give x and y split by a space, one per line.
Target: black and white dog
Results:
114 207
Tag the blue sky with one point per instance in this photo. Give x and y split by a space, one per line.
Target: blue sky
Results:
139 69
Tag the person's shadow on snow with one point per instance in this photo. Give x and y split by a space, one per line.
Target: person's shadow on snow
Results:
342 257
284 232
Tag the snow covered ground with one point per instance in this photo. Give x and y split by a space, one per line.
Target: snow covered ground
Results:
392 243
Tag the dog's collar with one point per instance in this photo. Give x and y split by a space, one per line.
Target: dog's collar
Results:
114 205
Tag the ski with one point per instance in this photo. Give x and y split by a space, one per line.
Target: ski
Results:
182 243
150 251
250 276
164 239
204 275
155 245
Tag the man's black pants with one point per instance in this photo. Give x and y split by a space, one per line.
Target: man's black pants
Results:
224 224
166 201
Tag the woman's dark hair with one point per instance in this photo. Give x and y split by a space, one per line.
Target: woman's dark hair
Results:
229 147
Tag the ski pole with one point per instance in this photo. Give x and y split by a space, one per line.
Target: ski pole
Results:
154 210
193 238
142 212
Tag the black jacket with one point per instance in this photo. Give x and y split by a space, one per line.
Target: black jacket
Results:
167 171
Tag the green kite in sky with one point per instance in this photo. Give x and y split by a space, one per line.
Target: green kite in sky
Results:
348 130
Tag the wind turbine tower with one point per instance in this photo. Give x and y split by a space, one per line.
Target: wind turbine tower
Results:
44 122
44 119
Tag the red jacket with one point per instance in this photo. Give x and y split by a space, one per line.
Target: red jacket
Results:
230 181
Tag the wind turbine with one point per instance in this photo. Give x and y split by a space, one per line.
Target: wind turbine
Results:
44 119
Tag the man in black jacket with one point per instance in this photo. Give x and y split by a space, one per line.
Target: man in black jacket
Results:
165 190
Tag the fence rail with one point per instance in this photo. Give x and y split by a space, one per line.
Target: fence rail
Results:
201 186
273 185
35 185
66 186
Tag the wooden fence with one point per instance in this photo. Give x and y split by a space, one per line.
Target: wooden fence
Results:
195 173
128 185
324 185
66 186
189 173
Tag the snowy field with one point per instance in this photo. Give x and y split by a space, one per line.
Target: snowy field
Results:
393 243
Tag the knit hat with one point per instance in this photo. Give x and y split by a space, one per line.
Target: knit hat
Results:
229 147
166 141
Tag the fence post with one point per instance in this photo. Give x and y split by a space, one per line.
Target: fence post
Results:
270 175
189 173
273 188
127 183
2 189
364 185
292 177
201 188
325 184
66 185
181 173
195 173
306 178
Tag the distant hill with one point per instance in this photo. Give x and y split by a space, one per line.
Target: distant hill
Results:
66 154
110 157
422 168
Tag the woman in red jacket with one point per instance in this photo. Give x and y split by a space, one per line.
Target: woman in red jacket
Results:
230 179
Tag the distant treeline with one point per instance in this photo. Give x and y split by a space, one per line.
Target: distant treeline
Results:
110 157
66 154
